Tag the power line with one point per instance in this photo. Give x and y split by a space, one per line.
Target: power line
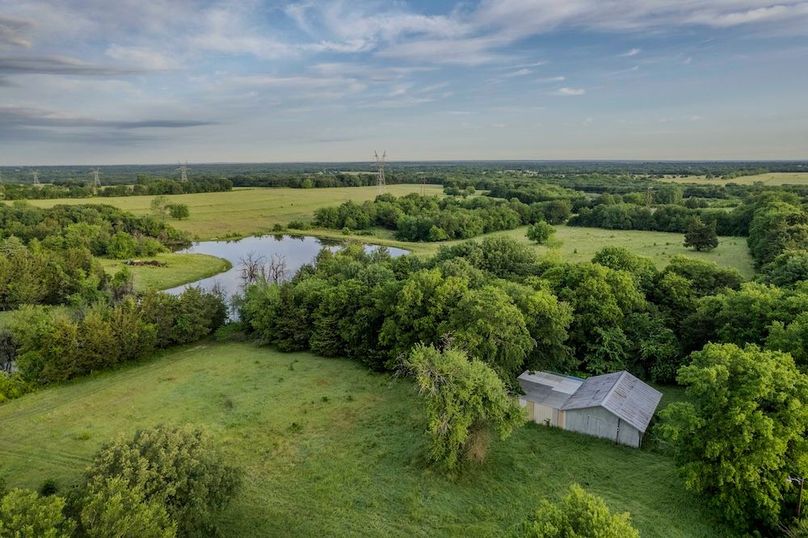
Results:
96 173
183 170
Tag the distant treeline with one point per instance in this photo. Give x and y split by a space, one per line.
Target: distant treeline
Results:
144 186
130 173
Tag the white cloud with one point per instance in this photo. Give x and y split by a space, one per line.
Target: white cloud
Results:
142 58
569 91
629 53
519 73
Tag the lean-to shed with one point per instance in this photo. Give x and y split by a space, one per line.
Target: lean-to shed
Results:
615 406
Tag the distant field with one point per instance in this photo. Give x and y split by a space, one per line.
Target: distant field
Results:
179 269
773 178
579 244
330 449
218 215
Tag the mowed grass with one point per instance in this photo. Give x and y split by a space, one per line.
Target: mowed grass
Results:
219 215
179 269
771 178
578 244
331 449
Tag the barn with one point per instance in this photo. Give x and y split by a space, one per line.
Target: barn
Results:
615 406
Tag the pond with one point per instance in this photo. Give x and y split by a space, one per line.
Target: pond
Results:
295 251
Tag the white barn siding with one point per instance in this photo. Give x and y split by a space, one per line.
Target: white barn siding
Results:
599 422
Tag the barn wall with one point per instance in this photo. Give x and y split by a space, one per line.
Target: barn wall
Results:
599 422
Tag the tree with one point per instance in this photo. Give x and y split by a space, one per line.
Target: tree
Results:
787 269
701 235
465 403
578 514
741 431
178 211
540 232
25 513
178 468
113 507
159 205
488 326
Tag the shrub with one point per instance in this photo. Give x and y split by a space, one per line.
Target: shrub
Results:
178 211
540 232
177 469
578 513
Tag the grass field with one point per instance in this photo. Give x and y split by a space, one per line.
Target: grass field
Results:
772 178
580 244
179 269
220 215
330 449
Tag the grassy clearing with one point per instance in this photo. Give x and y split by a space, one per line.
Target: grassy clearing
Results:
332 449
579 244
179 269
772 178
220 215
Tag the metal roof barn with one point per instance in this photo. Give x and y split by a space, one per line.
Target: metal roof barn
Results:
615 406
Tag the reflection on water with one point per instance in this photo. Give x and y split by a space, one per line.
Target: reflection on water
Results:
294 250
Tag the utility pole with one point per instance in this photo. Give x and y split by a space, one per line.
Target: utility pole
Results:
183 170
35 174
380 182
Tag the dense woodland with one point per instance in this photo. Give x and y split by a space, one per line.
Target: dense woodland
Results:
462 324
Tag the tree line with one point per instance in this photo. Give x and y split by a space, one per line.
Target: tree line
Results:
429 218
145 185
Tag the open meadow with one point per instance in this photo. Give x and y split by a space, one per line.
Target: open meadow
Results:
328 439
177 269
240 212
578 244
769 179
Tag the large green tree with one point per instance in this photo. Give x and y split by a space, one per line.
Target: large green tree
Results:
741 431
466 403
701 235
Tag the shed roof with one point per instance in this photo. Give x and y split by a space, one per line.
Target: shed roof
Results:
548 389
620 393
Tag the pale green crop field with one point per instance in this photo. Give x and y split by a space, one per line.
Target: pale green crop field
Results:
772 178
218 215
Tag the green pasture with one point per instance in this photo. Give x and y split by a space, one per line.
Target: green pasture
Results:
331 449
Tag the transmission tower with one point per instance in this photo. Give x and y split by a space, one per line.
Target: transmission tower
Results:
96 173
183 170
35 174
380 171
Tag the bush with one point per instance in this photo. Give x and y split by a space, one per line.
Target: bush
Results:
177 469
540 232
578 513
297 225
178 211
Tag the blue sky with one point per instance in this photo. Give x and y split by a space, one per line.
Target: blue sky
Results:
151 81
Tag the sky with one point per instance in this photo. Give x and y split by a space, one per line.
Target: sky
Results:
161 81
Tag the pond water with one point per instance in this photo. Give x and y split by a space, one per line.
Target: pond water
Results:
295 251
